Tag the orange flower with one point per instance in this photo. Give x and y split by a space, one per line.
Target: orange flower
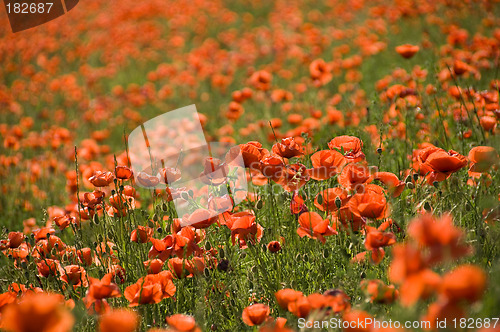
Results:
351 147
407 51
314 226
153 266
162 248
75 275
170 175
288 148
178 266
326 163
356 319
46 312
244 229
200 218
354 176
370 203
255 314
439 164
389 179
273 167
261 80
420 285
320 72
379 292
123 172
99 291
119 320
440 236
376 239
252 152
287 296
150 289
294 177
101 179
465 282
482 158
183 323
443 311
141 234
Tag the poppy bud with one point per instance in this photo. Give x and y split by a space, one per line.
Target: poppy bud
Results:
185 196
410 185
408 179
259 204
415 176
338 202
221 253
208 246
223 265
206 272
326 253
427 206
379 150
164 207
159 230
306 258
96 219
320 199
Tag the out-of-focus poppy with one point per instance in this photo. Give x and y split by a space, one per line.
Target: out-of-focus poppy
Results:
183 323
465 282
255 314
46 312
482 158
377 291
119 320
407 51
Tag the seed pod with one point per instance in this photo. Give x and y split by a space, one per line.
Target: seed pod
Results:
338 202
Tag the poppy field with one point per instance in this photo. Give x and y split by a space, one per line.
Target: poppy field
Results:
369 136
